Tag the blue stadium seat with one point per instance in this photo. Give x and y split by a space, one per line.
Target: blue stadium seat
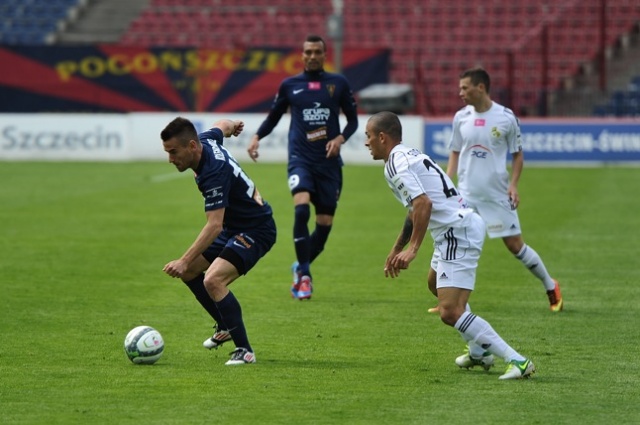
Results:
30 21
622 103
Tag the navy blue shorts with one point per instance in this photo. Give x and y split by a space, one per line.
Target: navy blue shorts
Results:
323 184
243 249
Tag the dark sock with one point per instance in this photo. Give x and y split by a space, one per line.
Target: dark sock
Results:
301 239
318 239
232 315
197 288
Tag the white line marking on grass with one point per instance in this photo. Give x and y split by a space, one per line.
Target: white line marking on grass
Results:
159 178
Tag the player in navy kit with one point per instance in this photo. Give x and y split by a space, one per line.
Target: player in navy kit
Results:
314 98
239 230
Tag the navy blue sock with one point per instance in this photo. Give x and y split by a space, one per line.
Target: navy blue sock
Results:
301 237
196 286
232 315
318 239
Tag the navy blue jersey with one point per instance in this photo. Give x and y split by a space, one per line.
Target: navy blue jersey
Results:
314 100
224 184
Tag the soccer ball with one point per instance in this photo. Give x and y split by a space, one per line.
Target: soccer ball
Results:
143 345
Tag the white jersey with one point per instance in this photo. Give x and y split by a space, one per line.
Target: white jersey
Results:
411 173
483 140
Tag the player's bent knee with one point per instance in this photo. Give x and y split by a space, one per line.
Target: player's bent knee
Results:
514 243
448 316
447 320
217 288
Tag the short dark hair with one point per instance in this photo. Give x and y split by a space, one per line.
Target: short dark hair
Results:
180 128
477 75
389 123
313 38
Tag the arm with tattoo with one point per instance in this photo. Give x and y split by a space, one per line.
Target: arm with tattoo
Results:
405 234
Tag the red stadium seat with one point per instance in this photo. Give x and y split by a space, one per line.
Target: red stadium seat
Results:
432 40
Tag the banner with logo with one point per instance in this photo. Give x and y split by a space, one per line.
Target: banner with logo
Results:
58 137
112 78
558 141
136 136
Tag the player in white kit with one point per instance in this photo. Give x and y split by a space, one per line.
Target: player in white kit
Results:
484 132
434 204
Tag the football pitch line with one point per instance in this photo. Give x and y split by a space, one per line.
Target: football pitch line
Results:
159 178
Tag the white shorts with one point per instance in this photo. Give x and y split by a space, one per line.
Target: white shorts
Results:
456 251
501 220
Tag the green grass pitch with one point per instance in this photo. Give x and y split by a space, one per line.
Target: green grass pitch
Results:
82 246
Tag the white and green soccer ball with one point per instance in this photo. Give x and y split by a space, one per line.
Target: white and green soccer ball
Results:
143 345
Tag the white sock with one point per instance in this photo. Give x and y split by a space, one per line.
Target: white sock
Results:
476 330
532 261
475 350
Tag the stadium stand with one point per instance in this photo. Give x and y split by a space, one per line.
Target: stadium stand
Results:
431 41
32 22
622 103
535 47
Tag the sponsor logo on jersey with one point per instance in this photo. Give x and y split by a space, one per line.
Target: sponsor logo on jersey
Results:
213 197
241 241
208 205
479 151
316 114
317 134
314 85
213 193
297 91
479 122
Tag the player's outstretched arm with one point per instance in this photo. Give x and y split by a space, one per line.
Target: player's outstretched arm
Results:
229 127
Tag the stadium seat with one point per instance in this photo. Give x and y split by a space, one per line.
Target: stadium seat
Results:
431 41
30 21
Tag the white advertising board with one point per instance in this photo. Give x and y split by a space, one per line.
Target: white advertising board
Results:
136 136
146 144
62 137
